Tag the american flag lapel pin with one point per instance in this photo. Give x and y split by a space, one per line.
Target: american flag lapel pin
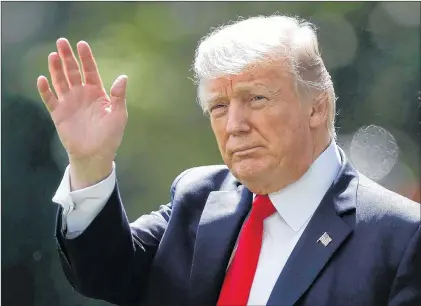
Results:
325 239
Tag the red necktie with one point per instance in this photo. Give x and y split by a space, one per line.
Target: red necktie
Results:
239 277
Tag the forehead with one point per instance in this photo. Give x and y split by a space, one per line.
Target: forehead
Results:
269 77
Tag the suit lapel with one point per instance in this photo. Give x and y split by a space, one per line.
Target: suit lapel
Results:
310 255
217 232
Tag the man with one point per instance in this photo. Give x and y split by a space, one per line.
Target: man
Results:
286 221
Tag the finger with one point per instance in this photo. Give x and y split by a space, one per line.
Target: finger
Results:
118 90
46 94
71 66
89 67
57 74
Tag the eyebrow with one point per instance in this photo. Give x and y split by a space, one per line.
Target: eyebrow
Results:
210 98
250 86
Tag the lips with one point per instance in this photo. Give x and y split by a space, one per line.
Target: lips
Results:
244 150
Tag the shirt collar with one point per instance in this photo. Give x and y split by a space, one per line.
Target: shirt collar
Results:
297 202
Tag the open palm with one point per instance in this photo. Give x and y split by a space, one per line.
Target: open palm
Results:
89 122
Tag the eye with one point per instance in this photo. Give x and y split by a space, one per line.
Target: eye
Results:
218 110
217 106
258 98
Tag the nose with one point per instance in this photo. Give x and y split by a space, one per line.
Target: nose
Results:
238 121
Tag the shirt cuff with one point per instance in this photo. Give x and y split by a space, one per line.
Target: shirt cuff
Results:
80 207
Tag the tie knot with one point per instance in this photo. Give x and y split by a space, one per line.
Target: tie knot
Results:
262 206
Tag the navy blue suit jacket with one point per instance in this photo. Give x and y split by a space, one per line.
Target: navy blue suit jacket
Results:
178 254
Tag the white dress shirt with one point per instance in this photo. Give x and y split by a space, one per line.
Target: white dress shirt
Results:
295 206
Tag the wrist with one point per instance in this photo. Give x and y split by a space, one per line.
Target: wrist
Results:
88 172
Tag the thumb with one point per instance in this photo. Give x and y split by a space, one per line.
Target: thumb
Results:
118 89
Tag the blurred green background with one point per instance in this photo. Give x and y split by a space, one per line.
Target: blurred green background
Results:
371 49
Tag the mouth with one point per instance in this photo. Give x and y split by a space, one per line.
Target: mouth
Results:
245 151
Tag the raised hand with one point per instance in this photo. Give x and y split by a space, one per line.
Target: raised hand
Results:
89 122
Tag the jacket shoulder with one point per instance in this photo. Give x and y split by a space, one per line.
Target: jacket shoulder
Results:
203 180
375 201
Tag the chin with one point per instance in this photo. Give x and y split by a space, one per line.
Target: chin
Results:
249 169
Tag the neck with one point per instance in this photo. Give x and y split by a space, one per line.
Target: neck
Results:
320 145
277 181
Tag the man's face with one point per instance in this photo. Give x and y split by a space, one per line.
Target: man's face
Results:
261 127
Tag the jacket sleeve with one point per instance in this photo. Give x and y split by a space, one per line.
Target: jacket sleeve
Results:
111 259
89 202
406 288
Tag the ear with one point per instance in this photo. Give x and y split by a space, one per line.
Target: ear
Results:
318 111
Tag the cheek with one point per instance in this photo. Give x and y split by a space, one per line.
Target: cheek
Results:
285 130
281 123
220 135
